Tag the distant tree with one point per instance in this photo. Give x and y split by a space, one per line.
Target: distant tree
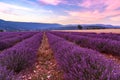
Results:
1 30
95 27
79 27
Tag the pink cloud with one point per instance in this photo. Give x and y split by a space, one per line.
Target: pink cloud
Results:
6 6
86 15
10 12
10 9
110 4
90 3
91 16
51 2
115 18
30 2
109 12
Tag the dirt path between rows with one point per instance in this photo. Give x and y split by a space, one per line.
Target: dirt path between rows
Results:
46 66
114 58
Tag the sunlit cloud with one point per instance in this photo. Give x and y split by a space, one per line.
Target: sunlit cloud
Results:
12 9
115 18
88 17
10 6
62 11
92 15
18 13
51 2
110 4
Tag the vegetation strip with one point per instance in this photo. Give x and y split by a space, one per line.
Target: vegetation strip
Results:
46 66
80 63
102 45
19 57
6 43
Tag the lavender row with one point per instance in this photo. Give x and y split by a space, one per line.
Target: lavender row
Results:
22 55
95 35
81 63
6 43
6 74
102 45
2 34
8 35
100 35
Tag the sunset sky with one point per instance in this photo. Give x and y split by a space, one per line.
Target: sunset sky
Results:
62 11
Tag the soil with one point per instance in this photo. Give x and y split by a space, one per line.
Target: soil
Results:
114 58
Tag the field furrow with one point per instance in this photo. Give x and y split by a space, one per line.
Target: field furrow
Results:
46 66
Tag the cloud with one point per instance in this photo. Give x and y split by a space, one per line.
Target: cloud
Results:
12 9
20 10
21 13
96 11
112 5
31 3
115 18
51 2
91 3
109 4
87 17
10 6
90 11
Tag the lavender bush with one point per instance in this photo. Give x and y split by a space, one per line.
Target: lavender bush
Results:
6 43
17 59
6 74
81 63
111 36
22 55
102 45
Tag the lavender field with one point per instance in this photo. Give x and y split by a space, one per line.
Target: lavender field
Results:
55 55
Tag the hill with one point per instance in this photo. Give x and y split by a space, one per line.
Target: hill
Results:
30 26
